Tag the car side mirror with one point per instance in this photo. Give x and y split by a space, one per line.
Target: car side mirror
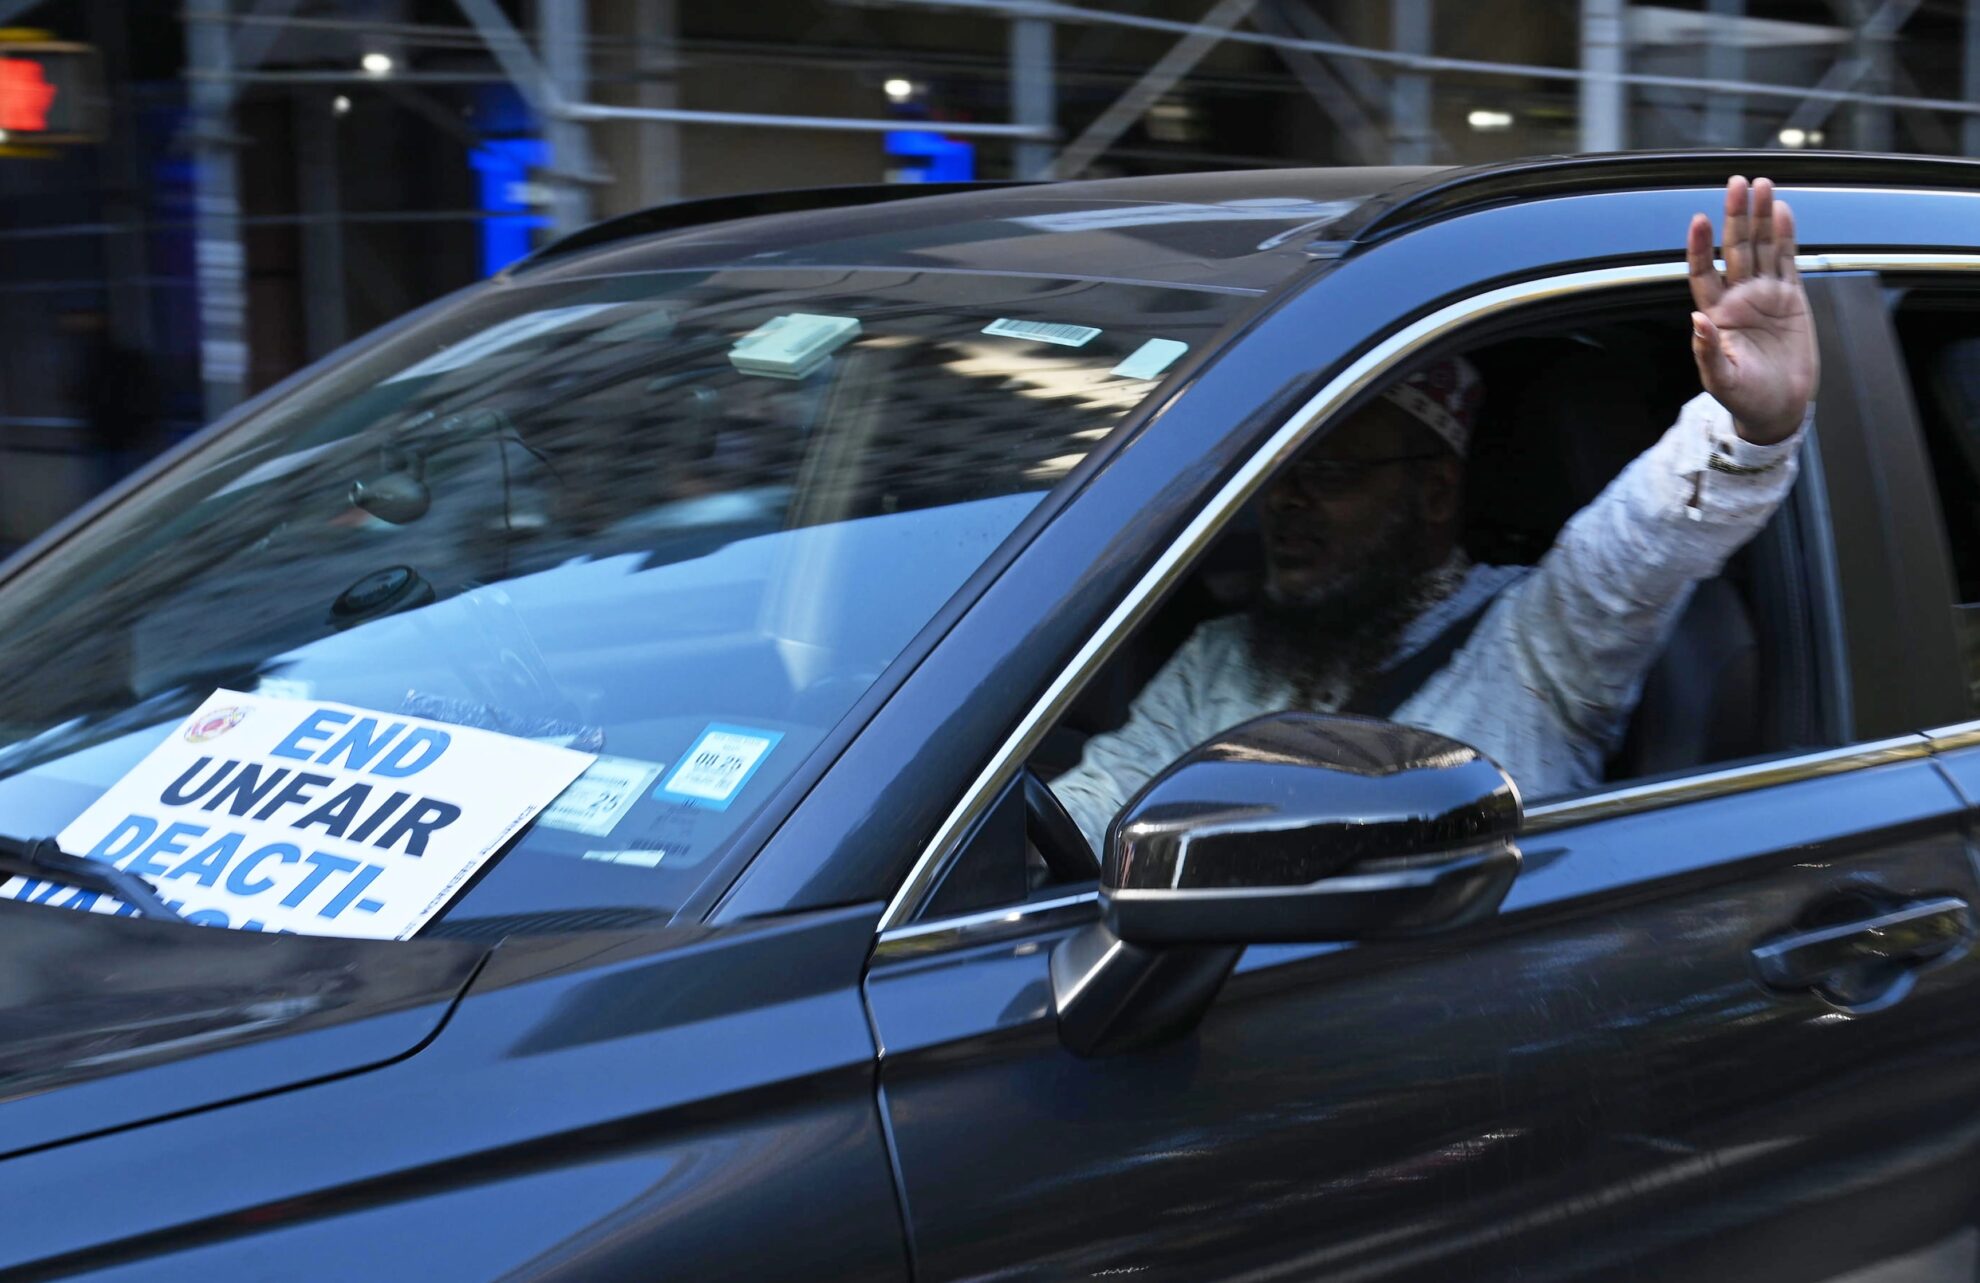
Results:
1295 827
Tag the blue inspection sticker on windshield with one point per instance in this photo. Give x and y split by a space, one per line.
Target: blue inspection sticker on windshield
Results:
718 764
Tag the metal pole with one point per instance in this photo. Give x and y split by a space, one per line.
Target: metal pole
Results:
659 142
218 253
322 231
560 36
1409 98
1871 122
1725 59
1069 13
125 255
1035 95
1969 129
605 111
511 52
1603 93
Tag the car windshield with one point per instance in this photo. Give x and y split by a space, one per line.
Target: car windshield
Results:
648 516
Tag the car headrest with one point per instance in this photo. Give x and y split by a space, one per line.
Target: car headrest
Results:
1955 381
1560 421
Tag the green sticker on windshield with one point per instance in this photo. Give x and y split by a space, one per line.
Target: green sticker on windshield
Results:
1150 359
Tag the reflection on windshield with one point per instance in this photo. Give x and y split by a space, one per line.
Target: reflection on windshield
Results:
593 515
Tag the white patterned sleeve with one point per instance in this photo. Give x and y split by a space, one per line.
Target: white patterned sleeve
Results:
1166 720
1585 628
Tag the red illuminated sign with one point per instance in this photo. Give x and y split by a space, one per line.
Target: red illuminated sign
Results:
25 96
51 93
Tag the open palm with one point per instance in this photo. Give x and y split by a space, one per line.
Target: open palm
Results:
1752 336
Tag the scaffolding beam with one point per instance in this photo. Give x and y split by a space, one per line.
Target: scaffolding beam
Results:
658 145
126 253
1725 59
1072 13
757 120
1323 83
1871 122
322 234
1604 92
1969 129
561 36
511 53
1838 84
1410 135
1034 95
1134 103
254 42
219 254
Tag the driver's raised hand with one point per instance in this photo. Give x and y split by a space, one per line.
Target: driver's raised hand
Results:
1752 335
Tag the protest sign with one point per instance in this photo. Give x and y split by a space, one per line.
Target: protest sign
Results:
272 814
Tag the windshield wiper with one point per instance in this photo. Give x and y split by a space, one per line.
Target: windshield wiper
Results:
41 858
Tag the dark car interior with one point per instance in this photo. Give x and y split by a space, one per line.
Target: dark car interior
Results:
1940 336
1565 411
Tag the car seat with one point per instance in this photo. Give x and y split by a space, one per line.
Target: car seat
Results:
1593 408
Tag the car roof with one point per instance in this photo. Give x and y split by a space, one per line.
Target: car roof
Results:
1241 231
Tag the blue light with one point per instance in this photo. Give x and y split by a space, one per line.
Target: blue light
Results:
944 160
504 165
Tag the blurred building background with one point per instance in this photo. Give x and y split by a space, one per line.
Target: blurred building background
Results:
198 197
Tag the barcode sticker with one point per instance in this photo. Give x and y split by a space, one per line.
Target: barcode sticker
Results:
1043 332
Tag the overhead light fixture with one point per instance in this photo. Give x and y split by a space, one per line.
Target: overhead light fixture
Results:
340 106
376 63
1484 118
898 90
1792 137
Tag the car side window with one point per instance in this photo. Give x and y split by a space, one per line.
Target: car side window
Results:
1940 336
1558 415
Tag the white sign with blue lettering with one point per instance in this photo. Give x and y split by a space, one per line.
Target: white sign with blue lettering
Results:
273 814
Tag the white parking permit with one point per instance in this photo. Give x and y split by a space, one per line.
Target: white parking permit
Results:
793 345
1043 332
1150 359
718 764
600 797
270 814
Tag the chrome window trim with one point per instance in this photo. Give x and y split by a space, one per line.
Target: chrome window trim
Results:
1946 739
1634 799
1239 489
945 934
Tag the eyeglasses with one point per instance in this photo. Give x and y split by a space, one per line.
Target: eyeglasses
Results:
1332 478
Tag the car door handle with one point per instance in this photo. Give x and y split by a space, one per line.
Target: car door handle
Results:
1917 932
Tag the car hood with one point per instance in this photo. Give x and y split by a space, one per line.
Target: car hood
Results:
110 1021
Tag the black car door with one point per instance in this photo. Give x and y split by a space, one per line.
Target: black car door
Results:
672 1103
1701 1039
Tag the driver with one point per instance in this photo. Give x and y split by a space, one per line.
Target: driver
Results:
1370 607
